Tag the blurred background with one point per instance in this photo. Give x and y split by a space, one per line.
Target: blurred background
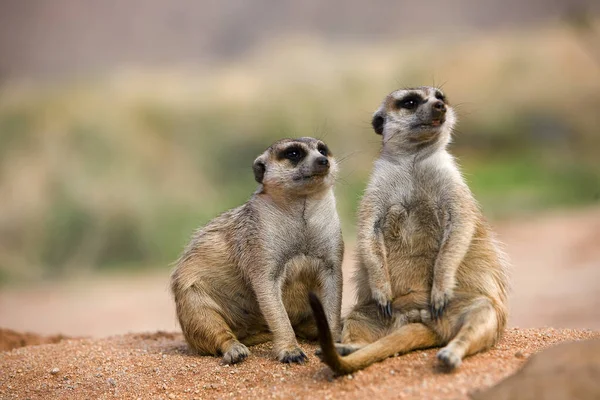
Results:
126 125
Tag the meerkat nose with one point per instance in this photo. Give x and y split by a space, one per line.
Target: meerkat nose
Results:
438 109
322 161
321 164
439 106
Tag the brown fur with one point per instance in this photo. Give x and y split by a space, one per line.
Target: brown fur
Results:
244 277
422 245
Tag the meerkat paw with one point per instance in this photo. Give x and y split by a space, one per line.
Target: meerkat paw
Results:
418 315
425 315
439 300
383 298
294 355
236 353
385 309
448 358
345 349
342 349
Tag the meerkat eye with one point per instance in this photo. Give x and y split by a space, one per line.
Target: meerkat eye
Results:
440 96
293 153
323 149
409 102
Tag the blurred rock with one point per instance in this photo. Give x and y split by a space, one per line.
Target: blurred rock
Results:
566 371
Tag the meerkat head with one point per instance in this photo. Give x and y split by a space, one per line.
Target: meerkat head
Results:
297 166
413 119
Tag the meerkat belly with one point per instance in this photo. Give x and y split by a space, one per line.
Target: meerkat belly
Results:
413 231
301 277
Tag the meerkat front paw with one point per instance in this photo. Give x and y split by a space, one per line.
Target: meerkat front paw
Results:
236 353
383 298
439 301
294 355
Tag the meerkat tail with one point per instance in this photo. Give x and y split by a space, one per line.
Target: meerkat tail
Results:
407 338
329 353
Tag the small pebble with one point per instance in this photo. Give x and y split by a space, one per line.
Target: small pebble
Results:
519 354
112 382
55 371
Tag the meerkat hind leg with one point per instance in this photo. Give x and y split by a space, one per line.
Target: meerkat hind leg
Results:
478 332
343 349
228 345
307 329
362 326
403 340
206 331
256 339
358 330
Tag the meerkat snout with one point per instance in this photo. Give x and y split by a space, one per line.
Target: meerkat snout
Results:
378 122
321 165
323 161
438 112
439 106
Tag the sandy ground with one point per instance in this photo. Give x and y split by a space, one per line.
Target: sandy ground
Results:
556 278
158 366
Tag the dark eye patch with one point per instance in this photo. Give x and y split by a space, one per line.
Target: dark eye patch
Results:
293 153
409 102
440 96
323 149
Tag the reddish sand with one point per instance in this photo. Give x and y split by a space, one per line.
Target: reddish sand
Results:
159 366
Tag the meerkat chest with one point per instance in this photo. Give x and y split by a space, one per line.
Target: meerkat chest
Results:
414 209
312 230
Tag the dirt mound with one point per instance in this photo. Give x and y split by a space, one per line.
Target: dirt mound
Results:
10 339
159 366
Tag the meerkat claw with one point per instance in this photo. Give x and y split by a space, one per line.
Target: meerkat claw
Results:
389 309
294 356
438 305
386 309
437 311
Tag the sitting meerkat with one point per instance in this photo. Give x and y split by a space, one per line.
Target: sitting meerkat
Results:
244 277
430 272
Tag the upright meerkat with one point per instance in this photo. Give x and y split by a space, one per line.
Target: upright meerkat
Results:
244 277
430 272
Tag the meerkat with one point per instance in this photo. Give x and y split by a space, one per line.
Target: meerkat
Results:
244 277
429 271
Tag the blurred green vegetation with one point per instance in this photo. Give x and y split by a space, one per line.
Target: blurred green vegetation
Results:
116 173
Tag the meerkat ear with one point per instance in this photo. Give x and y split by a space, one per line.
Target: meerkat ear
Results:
378 122
259 169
